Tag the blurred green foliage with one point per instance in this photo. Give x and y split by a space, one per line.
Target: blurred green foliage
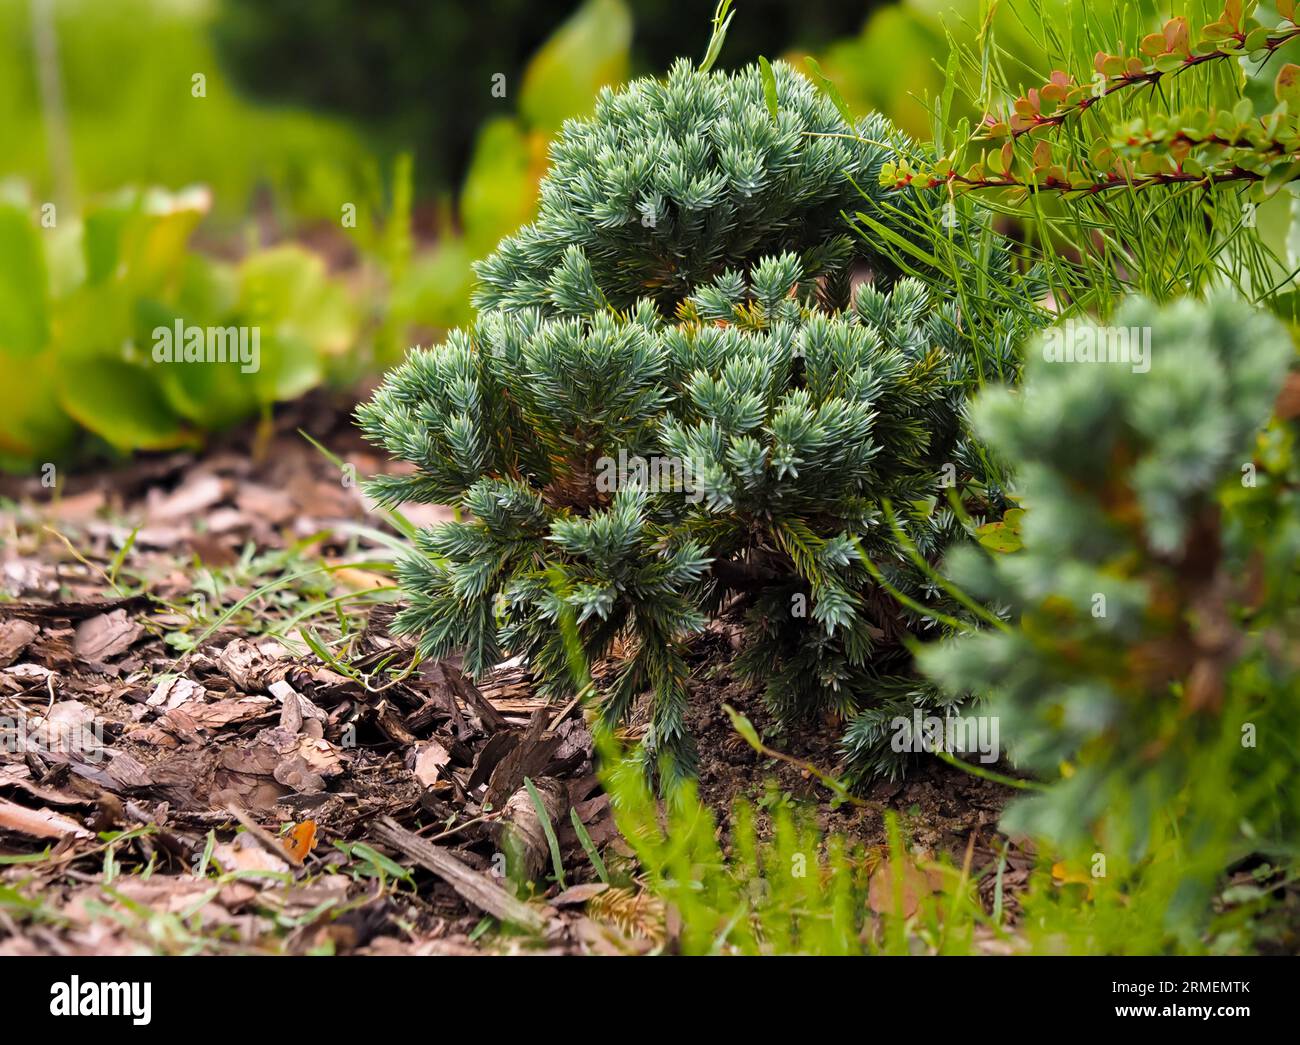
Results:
895 61
126 70
1149 673
414 74
110 123
130 114
81 301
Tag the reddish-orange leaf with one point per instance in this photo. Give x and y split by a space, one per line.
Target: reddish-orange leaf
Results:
301 839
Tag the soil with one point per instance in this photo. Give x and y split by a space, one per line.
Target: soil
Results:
939 806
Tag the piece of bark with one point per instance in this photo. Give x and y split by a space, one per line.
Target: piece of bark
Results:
173 691
449 679
490 755
391 725
297 713
15 636
38 823
579 894
106 635
126 772
528 758
290 712
253 668
20 776
217 714
475 887
72 610
421 719
488 715
430 757
520 832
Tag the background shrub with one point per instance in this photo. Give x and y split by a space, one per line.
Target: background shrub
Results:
1145 671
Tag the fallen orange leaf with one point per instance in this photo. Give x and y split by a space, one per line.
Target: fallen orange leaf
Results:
301 839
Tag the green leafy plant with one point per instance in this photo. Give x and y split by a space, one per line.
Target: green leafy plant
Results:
81 304
145 64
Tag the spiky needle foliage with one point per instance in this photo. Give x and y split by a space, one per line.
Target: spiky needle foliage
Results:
1154 597
671 182
655 422
766 443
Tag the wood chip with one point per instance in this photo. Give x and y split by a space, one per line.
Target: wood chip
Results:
106 635
430 757
520 832
528 758
173 692
579 894
192 497
15 636
473 886
446 674
38 823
